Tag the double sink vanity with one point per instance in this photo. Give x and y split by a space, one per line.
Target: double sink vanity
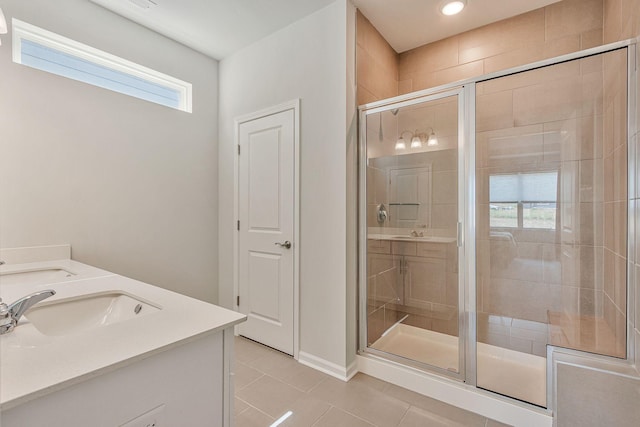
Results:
106 350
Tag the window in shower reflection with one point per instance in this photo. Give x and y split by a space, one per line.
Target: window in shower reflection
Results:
551 175
523 200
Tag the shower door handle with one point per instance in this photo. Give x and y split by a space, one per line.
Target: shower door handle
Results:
286 244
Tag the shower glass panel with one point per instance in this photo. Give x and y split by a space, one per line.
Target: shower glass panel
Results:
412 304
551 226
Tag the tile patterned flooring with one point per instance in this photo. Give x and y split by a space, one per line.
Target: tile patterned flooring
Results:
269 383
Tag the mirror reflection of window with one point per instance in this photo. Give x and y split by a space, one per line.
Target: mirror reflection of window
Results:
523 200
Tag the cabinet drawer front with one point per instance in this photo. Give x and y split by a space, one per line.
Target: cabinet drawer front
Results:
403 248
379 246
432 250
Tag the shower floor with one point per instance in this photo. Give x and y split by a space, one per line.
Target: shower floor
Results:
512 373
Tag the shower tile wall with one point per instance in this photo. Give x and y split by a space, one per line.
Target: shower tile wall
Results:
377 64
568 120
563 27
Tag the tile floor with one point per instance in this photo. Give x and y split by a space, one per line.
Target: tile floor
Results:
269 384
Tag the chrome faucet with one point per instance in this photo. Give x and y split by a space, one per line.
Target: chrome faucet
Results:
415 233
10 314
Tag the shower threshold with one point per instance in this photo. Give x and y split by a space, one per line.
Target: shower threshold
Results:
511 373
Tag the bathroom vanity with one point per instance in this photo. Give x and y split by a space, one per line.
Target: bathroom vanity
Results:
107 350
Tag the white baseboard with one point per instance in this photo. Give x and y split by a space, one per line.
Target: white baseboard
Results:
456 393
329 368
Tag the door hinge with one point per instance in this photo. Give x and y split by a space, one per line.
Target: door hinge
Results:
238 300
238 149
238 225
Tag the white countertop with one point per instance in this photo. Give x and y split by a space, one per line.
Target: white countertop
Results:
407 238
33 364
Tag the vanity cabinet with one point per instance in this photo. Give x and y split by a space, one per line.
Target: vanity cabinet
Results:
410 277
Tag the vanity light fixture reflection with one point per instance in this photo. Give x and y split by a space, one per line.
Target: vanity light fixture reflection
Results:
401 144
417 139
432 141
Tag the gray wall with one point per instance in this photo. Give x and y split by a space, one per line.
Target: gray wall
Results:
305 60
131 185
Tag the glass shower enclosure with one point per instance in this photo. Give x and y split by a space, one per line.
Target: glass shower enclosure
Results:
493 222
412 215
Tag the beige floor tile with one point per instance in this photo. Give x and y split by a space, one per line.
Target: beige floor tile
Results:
368 381
270 395
239 406
416 417
494 423
251 417
245 375
338 418
306 412
247 351
288 370
362 401
434 406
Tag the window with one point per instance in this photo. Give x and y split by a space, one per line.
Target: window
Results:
524 200
47 51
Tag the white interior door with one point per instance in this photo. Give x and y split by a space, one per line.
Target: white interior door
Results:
266 229
410 197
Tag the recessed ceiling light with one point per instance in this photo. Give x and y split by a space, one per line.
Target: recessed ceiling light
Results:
453 7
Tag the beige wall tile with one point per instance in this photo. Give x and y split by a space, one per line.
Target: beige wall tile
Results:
533 52
445 187
572 17
431 57
364 96
591 38
376 64
501 37
361 23
612 27
605 398
630 13
494 111
620 282
545 102
405 86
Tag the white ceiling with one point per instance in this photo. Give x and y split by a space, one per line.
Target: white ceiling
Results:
218 28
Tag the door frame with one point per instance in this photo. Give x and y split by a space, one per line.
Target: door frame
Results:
238 121
463 144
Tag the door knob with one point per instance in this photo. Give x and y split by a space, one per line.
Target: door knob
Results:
286 244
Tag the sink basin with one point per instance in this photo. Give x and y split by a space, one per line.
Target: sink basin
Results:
35 276
86 312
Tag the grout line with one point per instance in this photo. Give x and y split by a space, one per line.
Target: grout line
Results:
323 414
253 407
250 383
405 414
318 384
360 418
